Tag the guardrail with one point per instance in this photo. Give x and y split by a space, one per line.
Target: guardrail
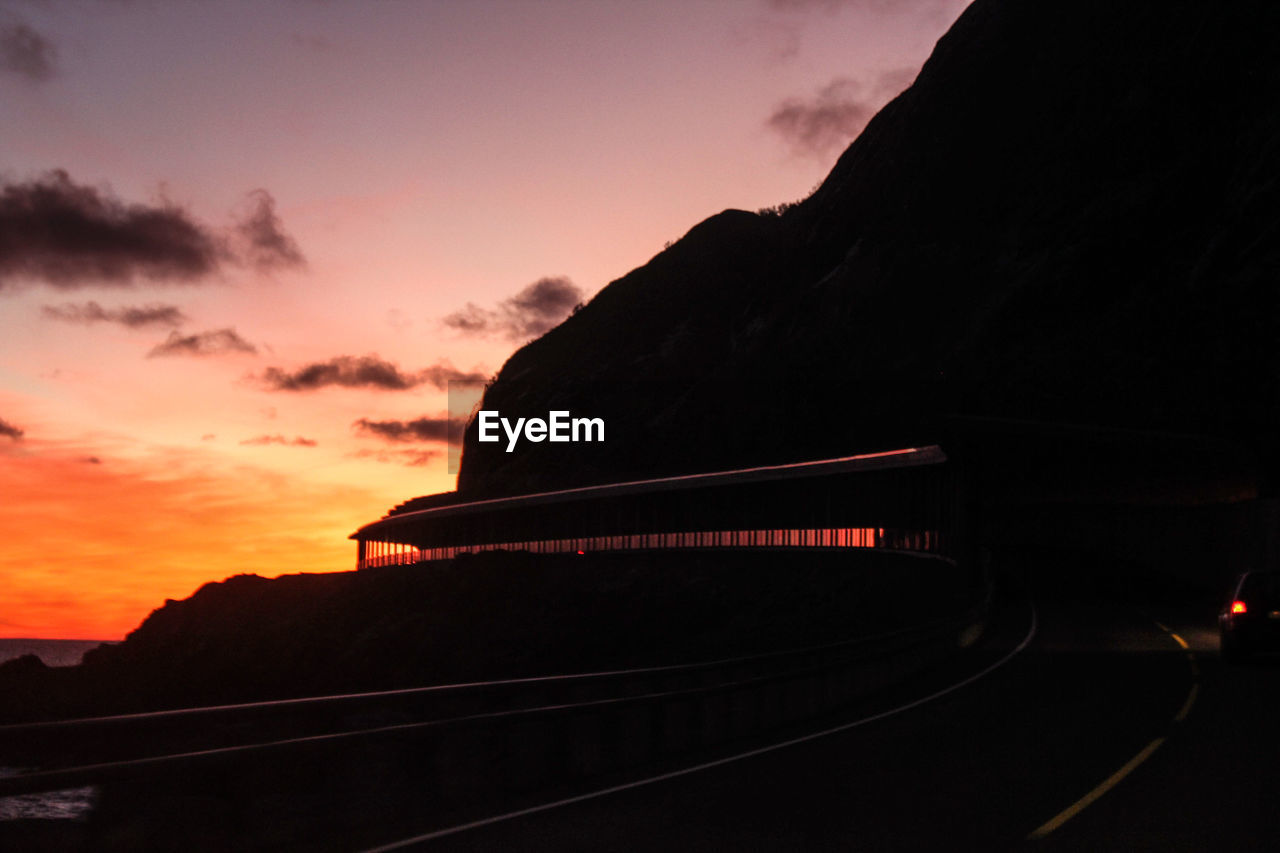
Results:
349 771
468 728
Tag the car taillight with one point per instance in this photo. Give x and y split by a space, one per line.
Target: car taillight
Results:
1238 606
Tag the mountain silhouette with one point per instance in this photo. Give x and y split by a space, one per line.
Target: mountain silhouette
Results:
1071 216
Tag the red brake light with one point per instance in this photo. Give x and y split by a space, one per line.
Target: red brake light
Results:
1238 606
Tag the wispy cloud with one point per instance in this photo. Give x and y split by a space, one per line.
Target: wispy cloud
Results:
26 53
894 6
214 342
780 38
406 456
10 431
316 43
263 440
529 313
367 371
134 317
827 121
442 428
268 247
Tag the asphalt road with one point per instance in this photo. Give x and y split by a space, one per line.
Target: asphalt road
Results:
1103 733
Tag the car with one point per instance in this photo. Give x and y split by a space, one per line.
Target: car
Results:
1249 621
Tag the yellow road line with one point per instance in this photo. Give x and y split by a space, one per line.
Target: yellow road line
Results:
1085 801
1186 706
1114 779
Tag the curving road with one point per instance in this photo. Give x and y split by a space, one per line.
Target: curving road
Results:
1110 730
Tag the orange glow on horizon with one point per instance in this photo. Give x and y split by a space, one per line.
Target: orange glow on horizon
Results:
92 548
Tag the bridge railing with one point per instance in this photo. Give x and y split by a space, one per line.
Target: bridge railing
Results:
389 553
907 499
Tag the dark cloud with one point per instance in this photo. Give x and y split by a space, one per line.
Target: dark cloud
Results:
25 52
442 373
68 235
367 371
92 460
135 317
420 429
268 246
825 123
411 458
532 311
298 441
9 430
214 342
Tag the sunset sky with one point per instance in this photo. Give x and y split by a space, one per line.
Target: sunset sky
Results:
245 245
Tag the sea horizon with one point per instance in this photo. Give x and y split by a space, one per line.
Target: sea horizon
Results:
64 652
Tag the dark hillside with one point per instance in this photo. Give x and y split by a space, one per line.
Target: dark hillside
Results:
1071 216
486 616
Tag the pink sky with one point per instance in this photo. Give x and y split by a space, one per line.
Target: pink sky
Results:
416 157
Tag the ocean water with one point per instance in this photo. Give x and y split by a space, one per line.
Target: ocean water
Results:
52 652
70 804
73 803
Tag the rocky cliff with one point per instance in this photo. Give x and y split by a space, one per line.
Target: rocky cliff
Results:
1071 216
